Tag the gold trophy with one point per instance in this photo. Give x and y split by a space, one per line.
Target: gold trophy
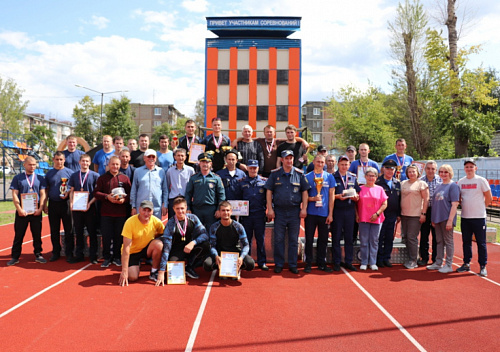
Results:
63 187
311 147
319 185
226 148
175 139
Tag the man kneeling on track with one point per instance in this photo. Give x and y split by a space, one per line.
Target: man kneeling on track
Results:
185 239
139 233
228 235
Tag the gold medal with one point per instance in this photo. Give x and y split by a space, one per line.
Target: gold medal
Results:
217 150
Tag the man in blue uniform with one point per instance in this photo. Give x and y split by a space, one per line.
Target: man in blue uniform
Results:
204 192
319 213
230 175
344 214
392 188
252 189
287 191
34 186
72 155
402 160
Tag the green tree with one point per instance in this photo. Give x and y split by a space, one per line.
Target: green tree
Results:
119 119
87 118
166 128
199 112
44 137
12 106
363 117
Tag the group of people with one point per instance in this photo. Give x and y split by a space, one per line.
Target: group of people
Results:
130 190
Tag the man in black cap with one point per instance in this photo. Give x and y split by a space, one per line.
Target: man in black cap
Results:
351 153
205 191
231 175
321 151
140 234
392 188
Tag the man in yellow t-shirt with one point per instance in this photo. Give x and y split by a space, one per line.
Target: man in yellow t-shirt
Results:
139 241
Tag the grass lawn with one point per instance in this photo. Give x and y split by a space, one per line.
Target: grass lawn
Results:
489 224
6 218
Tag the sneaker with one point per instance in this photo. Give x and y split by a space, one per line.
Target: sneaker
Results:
411 265
422 262
308 268
325 268
446 269
117 262
153 276
336 267
106 263
483 272
433 267
380 264
464 268
363 267
93 261
374 267
191 273
40 259
13 261
387 264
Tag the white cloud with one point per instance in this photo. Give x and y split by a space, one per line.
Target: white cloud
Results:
153 19
195 5
99 21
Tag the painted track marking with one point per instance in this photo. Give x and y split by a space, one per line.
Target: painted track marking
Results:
385 312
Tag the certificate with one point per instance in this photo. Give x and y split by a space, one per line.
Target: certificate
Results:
195 150
175 273
80 201
240 207
229 264
29 202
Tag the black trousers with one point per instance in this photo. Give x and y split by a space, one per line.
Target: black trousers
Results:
87 219
20 226
60 211
425 229
192 259
111 232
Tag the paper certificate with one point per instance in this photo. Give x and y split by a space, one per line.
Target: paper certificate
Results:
29 202
175 273
80 201
195 150
229 264
240 207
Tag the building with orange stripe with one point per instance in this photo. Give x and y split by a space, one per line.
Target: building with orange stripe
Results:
253 73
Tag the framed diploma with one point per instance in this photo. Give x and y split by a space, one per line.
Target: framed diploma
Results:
229 264
240 207
29 202
80 201
175 273
195 150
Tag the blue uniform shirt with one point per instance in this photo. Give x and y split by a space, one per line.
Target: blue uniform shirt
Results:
54 182
165 160
287 188
253 190
72 160
88 185
402 163
129 172
20 183
231 182
328 182
352 182
102 159
358 168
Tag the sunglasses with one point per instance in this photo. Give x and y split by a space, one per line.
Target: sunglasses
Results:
151 157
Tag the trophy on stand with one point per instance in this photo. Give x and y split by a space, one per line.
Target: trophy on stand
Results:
319 185
64 188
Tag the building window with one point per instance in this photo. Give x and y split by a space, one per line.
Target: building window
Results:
157 111
316 137
157 123
316 124
242 113
223 76
282 77
316 111
281 113
262 76
223 112
304 111
242 76
262 113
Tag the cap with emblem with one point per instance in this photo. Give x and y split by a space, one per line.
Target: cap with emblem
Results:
469 160
351 148
286 153
389 163
205 157
343 157
252 163
322 148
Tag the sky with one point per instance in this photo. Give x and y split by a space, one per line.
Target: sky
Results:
155 49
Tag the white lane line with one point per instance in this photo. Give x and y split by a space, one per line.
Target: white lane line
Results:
386 313
472 272
196 325
43 291
8 248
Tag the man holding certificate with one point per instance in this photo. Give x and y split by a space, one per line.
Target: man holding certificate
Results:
189 139
319 213
228 235
184 239
58 208
28 195
82 184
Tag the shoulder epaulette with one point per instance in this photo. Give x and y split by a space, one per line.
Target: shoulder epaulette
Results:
300 171
277 169
351 174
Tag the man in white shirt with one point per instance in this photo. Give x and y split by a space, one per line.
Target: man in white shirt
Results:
177 178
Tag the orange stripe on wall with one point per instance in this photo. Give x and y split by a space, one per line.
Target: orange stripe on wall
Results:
294 86
211 85
293 115
252 90
294 59
233 91
272 86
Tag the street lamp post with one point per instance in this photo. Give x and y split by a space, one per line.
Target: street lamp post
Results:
102 100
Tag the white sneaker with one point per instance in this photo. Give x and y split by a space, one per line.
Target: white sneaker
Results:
446 269
483 272
410 265
363 267
373 267
433 267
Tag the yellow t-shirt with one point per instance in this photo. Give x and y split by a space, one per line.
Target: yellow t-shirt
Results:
411 197
141 234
